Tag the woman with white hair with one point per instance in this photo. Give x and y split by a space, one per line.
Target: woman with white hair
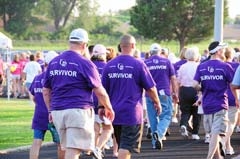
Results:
188 94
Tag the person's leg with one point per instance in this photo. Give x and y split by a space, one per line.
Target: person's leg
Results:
213 149
166 115
61 152
152 117
124 154
14 86
35 148
175 113
37 142
97 131
232 116
105 135
72 153
218 130
115 147
129 141
196 120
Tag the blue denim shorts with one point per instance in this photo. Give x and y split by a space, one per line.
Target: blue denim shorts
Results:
39 134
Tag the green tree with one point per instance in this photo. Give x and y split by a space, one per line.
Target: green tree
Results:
61 11
16 15
182 20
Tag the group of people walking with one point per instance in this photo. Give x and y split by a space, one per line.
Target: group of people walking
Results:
91 98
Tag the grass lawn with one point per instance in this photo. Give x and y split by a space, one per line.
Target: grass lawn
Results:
15 123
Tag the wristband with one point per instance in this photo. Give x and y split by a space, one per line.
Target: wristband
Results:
101 107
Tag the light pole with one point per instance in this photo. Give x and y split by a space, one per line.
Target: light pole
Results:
218 20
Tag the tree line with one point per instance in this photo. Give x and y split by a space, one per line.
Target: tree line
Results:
161 20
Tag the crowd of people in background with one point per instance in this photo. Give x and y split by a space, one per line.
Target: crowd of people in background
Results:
130 89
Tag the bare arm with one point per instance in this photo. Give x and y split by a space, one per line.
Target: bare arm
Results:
104 100
47 97
235 93
175 86
152 92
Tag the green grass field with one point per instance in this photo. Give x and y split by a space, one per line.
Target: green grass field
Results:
15 123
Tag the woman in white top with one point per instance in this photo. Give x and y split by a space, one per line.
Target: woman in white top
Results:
188 94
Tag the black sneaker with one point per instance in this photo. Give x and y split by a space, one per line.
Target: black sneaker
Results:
149 133
158 143
221 148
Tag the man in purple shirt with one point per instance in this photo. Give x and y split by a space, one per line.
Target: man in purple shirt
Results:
214 77
164 75
124 78
69 82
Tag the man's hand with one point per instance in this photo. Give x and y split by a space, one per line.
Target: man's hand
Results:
158 108
108 113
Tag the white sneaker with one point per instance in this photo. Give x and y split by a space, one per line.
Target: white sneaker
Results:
164 138
184 132
109 144
195 137
97 153
207 138
174 120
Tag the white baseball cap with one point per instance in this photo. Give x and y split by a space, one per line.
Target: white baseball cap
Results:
99 49
155 47
79 35
49 56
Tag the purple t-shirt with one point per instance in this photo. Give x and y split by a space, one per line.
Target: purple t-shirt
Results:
40 117
231 99
214 77
100 65
71 78
161 70
178 64
124 78
41 63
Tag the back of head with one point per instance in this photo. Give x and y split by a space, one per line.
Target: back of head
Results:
49 56
79 35
182 53
32 57
215 46
99 52
126 41
229 53
155 49
192 54
111 53
39 55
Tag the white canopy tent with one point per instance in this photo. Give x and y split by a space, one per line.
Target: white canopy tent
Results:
5 42
5 47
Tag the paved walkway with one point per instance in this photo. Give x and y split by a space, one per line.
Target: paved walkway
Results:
175 147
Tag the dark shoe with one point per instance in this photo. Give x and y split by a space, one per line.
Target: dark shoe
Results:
149 133
168 132
221 148
158 142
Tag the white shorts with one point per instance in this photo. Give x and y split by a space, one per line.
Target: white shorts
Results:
75 128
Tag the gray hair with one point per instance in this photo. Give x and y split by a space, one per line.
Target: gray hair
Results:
192 54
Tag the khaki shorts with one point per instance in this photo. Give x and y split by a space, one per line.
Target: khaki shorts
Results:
75 128
233 114
220 122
